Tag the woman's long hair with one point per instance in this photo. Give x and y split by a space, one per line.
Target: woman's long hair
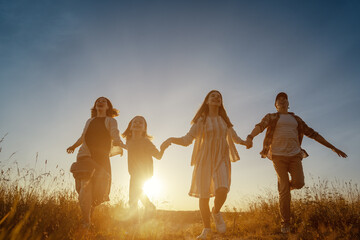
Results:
204 110
127 134
110 112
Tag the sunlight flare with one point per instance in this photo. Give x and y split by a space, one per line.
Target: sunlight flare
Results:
152 187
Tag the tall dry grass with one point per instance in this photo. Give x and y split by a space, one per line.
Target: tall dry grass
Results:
30 209
323 210
35 205
42 205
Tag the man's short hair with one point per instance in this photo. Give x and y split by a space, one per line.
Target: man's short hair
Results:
281 94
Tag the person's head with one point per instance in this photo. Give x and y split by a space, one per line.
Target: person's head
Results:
213 98
281 101
104 104
138 123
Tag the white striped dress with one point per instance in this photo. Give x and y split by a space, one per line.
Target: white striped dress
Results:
214 149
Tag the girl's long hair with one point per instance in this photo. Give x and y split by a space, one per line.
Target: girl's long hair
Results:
111 112
203 111
127 134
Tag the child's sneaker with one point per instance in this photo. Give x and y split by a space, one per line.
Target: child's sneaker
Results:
206 232
219 222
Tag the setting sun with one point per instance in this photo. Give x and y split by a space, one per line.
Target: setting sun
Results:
152 187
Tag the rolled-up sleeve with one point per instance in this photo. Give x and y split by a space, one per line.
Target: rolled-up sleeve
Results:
264 122
189 137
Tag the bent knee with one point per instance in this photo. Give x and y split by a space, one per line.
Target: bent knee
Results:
297 184
221 191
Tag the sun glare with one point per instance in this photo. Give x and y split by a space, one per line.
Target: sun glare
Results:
152 187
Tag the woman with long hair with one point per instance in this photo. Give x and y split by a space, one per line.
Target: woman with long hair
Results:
92 172
213 151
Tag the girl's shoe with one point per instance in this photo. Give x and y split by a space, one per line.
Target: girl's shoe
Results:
219 222
206 232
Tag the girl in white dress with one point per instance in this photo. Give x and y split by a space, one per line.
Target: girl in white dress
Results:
214 149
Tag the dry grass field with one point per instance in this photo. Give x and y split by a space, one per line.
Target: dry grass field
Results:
42 206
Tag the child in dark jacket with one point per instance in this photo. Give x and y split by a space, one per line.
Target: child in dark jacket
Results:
140 163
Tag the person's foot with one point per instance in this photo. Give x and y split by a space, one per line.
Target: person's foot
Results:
219 222
285 229
206 232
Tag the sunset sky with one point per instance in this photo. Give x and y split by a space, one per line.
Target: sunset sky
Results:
159 59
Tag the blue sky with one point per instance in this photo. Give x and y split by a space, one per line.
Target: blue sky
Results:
160 58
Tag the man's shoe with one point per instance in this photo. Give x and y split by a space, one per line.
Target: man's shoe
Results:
206 232
219 222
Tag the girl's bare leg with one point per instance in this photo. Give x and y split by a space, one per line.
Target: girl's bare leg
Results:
220 197
205 211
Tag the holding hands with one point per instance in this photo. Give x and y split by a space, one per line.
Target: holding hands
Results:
166 144
248 142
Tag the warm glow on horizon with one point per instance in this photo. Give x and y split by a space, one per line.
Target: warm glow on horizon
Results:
159 60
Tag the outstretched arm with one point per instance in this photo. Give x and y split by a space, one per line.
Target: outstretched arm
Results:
236 138
158 155
249 139
259 128
177 141
80 140
183 141
256 131
71 149
323 141
155 152
311 133
169 141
